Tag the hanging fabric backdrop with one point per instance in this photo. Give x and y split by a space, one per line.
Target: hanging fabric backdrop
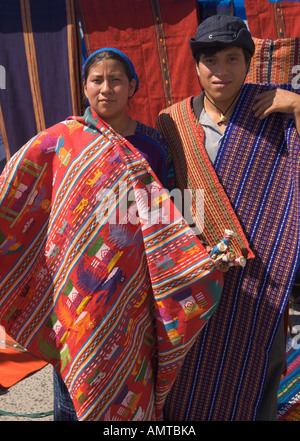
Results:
39 54
155 35
273 19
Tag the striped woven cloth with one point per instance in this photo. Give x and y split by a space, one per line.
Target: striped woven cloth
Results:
39 40
258 165
194 171
275 62
99 273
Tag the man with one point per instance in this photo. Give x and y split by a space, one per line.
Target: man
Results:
246 137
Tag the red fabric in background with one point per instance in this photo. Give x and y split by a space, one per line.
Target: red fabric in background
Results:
129 26
273 20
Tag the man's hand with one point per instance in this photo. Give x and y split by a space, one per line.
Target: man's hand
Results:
278 100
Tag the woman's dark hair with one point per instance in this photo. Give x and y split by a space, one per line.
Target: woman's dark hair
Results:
108 55
213 50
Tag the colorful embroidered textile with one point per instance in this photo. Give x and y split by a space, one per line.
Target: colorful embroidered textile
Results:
289 388
273 19
38 40
155 35
258 164
39 56
275 62
98 278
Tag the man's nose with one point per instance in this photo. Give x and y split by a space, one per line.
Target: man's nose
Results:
221 69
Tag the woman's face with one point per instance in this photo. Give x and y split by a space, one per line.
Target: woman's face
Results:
108 89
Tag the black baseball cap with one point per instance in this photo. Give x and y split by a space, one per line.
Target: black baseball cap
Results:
222 30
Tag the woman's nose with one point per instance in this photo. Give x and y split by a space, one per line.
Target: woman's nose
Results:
105 87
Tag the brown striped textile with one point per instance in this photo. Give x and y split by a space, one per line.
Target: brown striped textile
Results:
194 170
275 62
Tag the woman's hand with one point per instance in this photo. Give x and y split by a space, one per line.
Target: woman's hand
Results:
278 100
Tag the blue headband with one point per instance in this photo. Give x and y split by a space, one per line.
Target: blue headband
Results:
128 61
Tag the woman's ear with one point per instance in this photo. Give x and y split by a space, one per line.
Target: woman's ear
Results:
132 86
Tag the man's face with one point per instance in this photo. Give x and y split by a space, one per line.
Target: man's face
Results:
222 74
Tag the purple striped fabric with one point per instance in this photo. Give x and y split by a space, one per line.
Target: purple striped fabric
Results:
48 26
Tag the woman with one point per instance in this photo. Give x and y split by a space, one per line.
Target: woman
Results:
99 273
110 81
